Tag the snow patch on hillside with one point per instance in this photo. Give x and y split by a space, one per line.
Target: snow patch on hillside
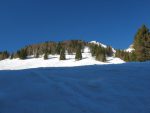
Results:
86 50
54 61
98 43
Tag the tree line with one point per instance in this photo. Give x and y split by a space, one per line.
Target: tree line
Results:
60 48
4 55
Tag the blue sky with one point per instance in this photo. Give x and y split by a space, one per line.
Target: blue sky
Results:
112 22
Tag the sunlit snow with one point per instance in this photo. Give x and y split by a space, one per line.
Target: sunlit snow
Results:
54 61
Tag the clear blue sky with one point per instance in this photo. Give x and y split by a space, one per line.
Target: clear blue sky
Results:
112 22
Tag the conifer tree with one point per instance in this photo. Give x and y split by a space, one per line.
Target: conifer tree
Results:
22 54
58 48
78 54
45 56
132 56
101 57
139 43
4 55
62 55
109 51
126 57
100 54
93 48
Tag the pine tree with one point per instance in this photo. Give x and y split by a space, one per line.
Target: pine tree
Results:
58 48
132 56
100 54
45 56
139 44
126 57
93 48
62 55
109 51
101 57
4 55
22 54
78 54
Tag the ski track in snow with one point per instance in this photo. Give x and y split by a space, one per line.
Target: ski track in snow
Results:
122 88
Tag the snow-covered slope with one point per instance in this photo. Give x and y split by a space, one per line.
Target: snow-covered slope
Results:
130 49
121 88
54 61
98 43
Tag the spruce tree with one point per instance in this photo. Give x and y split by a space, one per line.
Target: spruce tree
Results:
126 57
62 55
101 57
58 48
100 54
4 55
45 56
141 51
132 56
22 54
78 54
93 48
109 51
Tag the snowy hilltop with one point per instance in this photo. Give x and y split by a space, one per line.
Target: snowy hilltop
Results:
53 60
